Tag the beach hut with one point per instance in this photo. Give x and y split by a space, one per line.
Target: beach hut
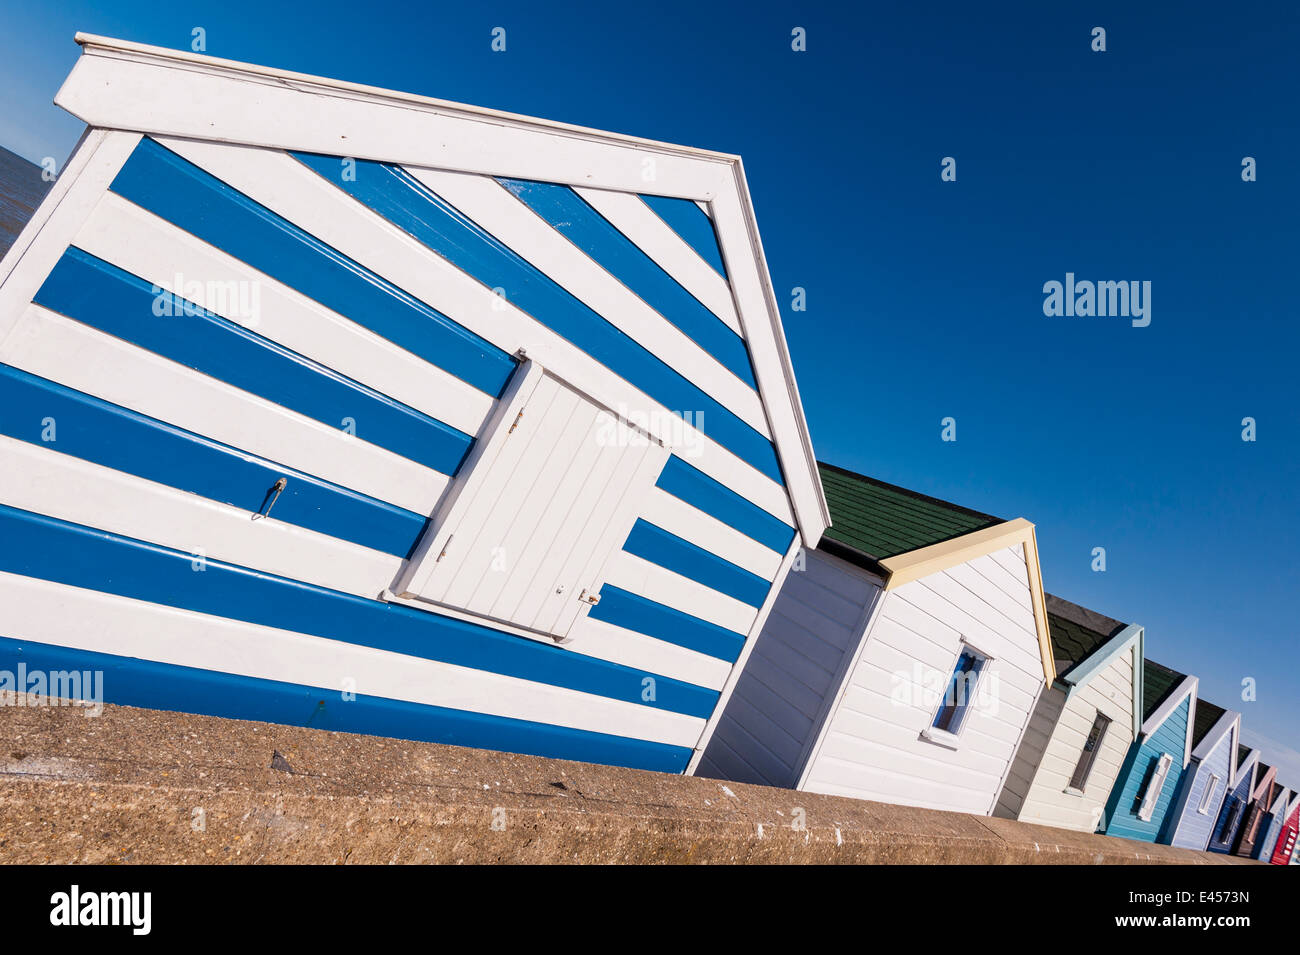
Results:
1278 814
1144 790
335 406
1083 724
1226 826
1255 821
1203 788
900 663
1284 845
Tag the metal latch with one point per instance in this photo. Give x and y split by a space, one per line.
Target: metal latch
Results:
590 598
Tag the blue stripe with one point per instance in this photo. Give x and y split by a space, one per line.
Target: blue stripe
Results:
717 500
634 612
33 545
680 556
94 430
569 214
690 222
403 200
186 196
96 293
163 686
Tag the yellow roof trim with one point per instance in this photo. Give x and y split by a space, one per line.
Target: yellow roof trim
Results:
925 561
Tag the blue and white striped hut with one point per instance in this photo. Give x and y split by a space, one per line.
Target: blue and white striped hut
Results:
332 406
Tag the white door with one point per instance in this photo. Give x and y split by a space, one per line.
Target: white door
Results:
546 497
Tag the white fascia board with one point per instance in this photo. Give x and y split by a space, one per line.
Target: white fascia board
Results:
1225 728
1167 708
1246 766
150 90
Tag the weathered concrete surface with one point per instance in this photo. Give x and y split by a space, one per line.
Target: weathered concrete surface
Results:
144 786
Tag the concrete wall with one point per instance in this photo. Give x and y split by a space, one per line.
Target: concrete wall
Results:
145 786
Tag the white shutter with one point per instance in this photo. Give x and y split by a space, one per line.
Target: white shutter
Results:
1157 783
550 491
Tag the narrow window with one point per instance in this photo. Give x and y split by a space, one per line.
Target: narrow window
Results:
961 692
1226 830
1256 815
1152 795
1207 798
1083 769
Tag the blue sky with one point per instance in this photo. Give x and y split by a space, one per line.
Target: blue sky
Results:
925 297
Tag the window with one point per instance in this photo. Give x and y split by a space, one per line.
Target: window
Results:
1083 769
549 493
1207 799
1148 807
1231 817
1256 814
958 698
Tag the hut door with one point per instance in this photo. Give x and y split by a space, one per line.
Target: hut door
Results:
549 492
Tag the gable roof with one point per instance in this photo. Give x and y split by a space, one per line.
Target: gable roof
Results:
1085 642
23 187
119 85
1247 762
880 520
1163 692
1077 632
1207 714
1264 778
1212 727
902 535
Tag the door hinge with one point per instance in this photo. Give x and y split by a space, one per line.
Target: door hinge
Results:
589 598
518 418
443 553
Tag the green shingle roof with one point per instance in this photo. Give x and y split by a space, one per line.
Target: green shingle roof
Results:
882 520
1077 632
1207 714
1157 683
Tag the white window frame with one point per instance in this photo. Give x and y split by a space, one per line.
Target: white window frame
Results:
948 738
1152 795
1210 788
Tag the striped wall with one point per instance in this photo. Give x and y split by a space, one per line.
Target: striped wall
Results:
225 317
1126 799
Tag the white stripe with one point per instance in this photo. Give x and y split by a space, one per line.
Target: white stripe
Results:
143 244
293 191
495 209
639 576
85 359
703 530
40 479
751 285
98 159
47 612
630 215
147 89
605 641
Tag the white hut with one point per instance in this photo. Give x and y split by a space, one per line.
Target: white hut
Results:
901 663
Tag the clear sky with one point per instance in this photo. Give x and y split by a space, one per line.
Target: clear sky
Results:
925 297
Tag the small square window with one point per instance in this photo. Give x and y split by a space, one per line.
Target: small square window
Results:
958 698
